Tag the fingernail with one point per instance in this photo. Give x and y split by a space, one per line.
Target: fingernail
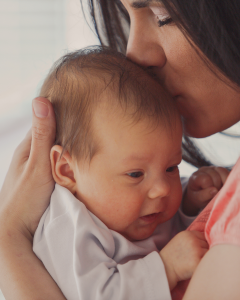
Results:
213 192
40 109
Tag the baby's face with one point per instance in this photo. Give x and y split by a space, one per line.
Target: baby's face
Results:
132 184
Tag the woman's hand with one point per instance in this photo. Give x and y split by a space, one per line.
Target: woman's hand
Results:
28 185
23 199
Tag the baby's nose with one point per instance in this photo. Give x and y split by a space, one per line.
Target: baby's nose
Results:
161 188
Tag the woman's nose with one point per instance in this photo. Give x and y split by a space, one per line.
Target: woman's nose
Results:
161 188
143 46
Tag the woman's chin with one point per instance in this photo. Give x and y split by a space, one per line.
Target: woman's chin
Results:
200 126
195 130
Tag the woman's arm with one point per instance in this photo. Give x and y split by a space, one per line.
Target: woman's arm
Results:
217 275
22 275
23 199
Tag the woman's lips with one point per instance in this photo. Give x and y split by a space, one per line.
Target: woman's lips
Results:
150 218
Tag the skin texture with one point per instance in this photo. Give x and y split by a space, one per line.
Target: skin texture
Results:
217 275
133 175
206 103
205 110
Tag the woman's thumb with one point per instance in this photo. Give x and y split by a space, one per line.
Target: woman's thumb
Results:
43 130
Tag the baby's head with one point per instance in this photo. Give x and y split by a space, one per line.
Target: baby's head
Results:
118 140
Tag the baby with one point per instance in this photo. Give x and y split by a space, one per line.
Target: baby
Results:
112 228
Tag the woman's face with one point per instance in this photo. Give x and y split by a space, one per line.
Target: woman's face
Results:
206 103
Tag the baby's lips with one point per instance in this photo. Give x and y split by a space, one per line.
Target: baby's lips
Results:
150 218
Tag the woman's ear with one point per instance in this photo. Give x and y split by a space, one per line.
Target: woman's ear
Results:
62 168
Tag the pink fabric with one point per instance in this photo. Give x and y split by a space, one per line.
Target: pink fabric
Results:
220 220
199 225
223 225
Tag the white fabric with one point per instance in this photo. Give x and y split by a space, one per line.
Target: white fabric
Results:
91 262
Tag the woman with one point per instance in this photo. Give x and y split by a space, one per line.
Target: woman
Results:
192 45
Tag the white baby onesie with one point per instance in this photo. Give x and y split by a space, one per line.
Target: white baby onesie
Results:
88 261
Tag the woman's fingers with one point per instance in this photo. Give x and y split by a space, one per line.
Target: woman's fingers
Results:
16 168
22 152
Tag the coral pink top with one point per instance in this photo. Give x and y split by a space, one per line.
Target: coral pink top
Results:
220 220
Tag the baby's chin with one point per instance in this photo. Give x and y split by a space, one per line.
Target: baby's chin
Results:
139 234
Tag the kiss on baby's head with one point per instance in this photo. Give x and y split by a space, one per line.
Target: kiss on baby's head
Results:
118 140
81 81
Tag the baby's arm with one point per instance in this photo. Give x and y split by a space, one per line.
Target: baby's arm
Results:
203 185
182 255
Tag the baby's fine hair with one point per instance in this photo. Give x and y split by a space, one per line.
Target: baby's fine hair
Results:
79 81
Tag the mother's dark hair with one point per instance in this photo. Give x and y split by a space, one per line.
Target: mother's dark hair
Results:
212 25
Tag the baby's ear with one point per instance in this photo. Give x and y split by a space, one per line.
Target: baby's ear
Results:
62 168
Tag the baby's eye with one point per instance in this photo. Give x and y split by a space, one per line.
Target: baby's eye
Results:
135 174
172 169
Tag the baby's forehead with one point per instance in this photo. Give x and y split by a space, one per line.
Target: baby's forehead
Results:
137 97
117 135
134 106
112 118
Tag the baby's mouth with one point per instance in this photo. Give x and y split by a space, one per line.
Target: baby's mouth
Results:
150 218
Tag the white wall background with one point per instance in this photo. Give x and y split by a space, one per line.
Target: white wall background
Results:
33 34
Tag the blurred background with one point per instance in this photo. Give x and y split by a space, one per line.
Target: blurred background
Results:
33 34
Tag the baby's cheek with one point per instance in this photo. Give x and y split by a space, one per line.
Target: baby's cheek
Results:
176 200
121 220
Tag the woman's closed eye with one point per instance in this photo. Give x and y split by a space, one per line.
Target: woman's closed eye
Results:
135 174
162 15
164 22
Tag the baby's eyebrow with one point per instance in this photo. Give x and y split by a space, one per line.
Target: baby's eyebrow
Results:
135 157
144 3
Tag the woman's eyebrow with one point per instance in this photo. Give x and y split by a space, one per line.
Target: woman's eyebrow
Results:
144 3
